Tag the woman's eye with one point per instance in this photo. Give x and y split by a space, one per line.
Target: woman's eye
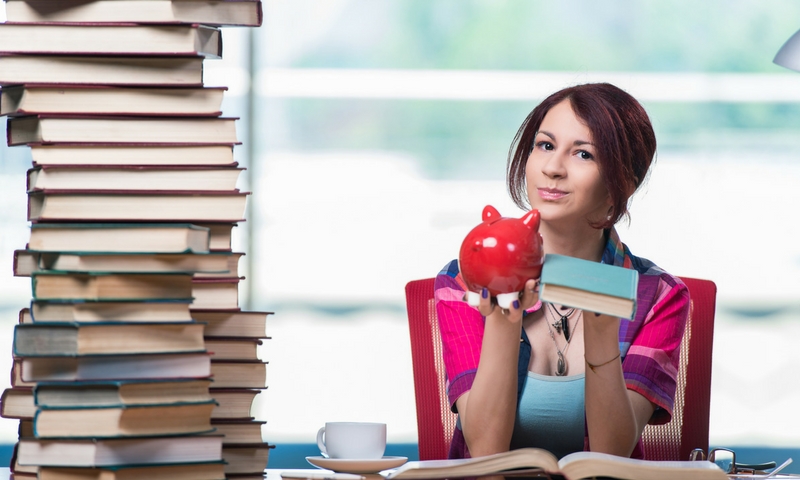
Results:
544 145
585 155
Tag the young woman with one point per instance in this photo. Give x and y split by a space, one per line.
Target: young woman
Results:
549 376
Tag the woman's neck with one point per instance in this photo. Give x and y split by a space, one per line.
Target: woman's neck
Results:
576 241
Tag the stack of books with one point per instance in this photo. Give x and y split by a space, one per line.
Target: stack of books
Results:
134 359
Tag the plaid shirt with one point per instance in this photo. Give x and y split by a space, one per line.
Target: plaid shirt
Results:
649 344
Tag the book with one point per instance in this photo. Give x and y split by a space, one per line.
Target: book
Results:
120 451
591 286
229 348
119 237
25 263
142 206
25 429
17 402
120 393
221 235
215 292
120 130
119 39
132 154
238 430
110 367
28 262
232 323
154 311
207 12
109 100
231 270
233 402
51 339
194 471
16 376
111 287
127 421
25 316
246 458
131 177
76 69
238 374
574 466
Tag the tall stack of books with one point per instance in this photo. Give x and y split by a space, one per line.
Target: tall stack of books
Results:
133 359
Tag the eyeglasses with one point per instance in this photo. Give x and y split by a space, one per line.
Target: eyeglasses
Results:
725 459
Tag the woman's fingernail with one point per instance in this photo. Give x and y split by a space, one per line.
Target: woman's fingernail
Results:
515 304
485 293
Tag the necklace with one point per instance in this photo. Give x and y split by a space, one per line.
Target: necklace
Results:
561 366
563 322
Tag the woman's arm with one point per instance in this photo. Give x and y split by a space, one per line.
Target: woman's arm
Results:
488 410
615 416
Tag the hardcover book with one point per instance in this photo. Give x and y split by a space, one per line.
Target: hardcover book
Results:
133 177
115 393
120 39
51 339
229 348
193 471
233 402
208 12
132 154
239 373
232 323
17 402
131 311
28 262
246 459
108 100
73 69
591 286
120 451
119 237
111 367
111 287
128 421
34 129
136 206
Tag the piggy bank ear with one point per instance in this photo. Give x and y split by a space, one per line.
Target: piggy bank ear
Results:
490 213
531 220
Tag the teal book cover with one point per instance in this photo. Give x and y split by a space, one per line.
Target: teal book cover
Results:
584 281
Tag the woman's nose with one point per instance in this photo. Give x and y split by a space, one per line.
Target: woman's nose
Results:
553 166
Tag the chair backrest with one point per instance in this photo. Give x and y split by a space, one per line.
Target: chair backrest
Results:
688 428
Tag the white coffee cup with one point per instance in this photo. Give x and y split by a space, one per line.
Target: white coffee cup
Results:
352 440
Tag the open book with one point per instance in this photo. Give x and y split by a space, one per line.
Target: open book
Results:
574 466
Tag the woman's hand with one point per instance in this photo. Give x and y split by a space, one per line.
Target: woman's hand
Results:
527 298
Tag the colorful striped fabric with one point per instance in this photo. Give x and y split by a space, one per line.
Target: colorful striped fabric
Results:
649 344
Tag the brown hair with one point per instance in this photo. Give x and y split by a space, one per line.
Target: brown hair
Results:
621 132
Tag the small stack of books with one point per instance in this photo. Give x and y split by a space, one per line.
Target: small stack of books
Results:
133 359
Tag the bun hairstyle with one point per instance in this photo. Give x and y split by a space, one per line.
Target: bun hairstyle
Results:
621 133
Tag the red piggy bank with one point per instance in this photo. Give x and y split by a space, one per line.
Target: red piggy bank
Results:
501 254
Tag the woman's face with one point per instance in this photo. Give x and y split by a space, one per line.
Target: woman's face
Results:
562 174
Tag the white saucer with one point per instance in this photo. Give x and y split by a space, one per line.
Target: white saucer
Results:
346 465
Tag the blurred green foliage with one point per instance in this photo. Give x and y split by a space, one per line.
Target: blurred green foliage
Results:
470 138
615 35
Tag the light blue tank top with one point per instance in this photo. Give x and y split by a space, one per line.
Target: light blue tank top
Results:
551 414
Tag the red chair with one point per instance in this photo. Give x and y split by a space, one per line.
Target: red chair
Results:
687 430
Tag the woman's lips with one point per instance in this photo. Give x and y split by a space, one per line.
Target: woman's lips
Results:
551 193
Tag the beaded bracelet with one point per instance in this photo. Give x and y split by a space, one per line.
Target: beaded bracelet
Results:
592 366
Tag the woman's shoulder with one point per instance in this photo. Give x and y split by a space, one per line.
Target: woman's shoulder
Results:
449 277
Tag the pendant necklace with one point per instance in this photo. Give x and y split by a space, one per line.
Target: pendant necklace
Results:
561 366
563 322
